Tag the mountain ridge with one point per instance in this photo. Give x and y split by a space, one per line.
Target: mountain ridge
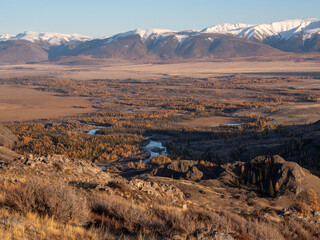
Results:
223 41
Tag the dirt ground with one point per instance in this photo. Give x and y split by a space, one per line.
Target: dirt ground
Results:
19 104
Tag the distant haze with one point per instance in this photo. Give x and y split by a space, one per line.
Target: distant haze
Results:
99 18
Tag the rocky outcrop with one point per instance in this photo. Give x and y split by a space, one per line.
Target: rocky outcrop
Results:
156 189
57 167
202 234
86 175
185 169
289 176
189 170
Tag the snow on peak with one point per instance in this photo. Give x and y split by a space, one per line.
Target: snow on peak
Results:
6 37
283 29
145 34
52 38
226 28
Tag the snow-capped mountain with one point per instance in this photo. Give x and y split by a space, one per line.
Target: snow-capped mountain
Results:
290 35
220 41
227 28
283 30
51 38
299 35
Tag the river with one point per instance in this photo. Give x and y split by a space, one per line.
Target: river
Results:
154 147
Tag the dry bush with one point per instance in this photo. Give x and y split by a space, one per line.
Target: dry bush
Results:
117 213
247 228
126 216
295 228
56 200
172 220
263 230
302 208
231 222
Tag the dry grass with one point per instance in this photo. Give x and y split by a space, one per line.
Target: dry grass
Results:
128 217
56 200
125 70
32 226
37 210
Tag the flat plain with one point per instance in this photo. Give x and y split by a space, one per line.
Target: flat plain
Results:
21 104
25 102
125 70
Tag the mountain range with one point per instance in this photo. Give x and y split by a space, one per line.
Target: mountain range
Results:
219 42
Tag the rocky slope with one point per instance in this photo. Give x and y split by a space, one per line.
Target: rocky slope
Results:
290 177
183 199
21 51
189 188
7 137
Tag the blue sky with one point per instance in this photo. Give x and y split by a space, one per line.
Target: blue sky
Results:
103 17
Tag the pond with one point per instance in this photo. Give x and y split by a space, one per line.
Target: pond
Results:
93 131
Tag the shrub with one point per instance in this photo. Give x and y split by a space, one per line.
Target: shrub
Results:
120 214
56 200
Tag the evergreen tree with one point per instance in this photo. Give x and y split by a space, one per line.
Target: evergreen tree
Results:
271 191
265 173
260 174
277 187
237 182
254 178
